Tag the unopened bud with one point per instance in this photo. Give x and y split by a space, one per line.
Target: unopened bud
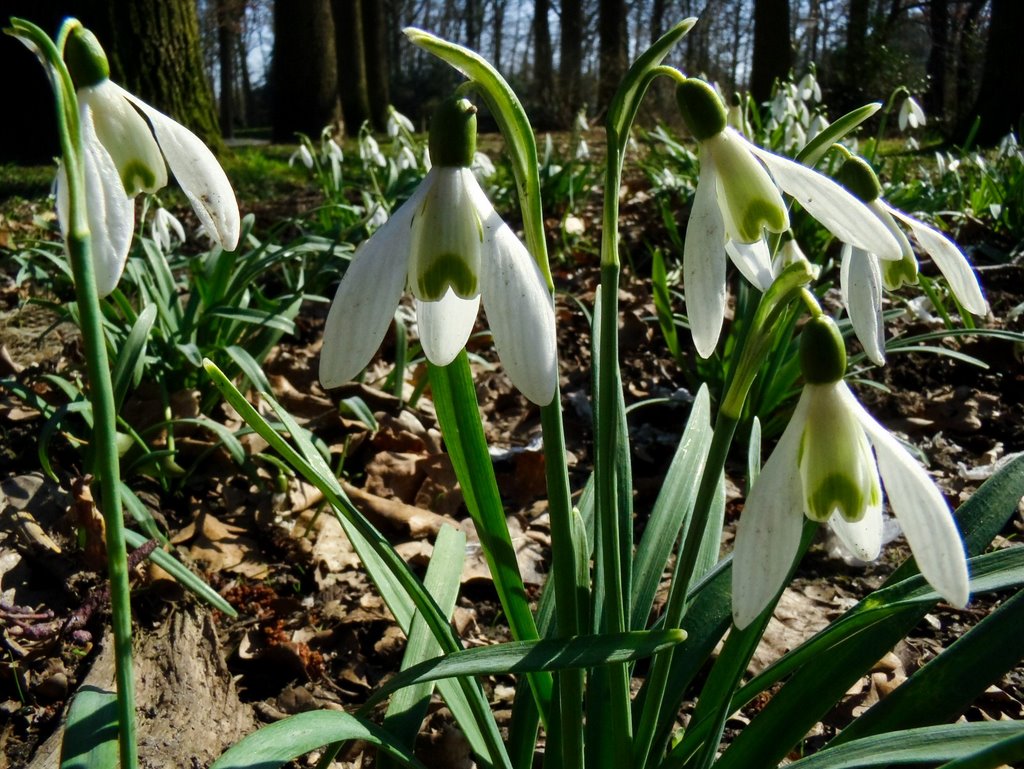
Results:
860 179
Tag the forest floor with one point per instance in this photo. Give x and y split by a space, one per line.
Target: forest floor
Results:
311 632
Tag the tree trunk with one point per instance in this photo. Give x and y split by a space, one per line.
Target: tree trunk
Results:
968 55
499 32
156 47
571 58
773 53
612 62
543 67
227 37
657 19
304 75
1000 103
352 83
935 99
378 72
856 49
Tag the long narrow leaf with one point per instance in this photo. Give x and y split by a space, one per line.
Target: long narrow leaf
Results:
129 359
90 735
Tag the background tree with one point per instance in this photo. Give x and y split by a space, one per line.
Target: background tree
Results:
773 52
155 50
938 24
570 67
303 73
378 69
543 64
612 36
1000 102
352 83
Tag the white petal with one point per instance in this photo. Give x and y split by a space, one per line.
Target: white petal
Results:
861 281
519 310
753 260
704 264
109 211
445 326
768 534
922 512
863 538
201 178
951 263
367 296
839 211
127 137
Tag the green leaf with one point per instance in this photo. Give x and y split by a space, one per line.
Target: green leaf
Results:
249 367
672 508
90 735
929 744
131 357
532 656
663 303
181 574
458 414
816 148
275 745
255 317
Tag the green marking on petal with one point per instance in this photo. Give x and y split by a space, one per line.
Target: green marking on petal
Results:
837 492
445 271
137 175
897 272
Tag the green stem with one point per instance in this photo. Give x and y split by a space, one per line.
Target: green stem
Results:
106 463
569 594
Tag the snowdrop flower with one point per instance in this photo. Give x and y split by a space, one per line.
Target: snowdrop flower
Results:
738 197
125 144
809 88
164 223
830 465
581 124
303 155
818 124
397 123
582 150
369 151
406 159
483 166
911 114
862 276
452 249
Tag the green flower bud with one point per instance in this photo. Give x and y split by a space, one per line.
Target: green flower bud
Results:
453 134
860 179
701 108
85 58
822 352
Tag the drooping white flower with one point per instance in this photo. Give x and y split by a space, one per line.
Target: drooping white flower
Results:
830 465
809 88
303 155
911 114
369 150
483 166
398 123
452 250
406 159
738 197
862 276
164 225
125 143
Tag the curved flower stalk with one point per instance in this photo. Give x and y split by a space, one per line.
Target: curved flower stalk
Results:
739 196
452 249
830 464
862 276
125 143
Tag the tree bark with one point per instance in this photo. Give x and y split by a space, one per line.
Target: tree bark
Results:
773 52
156 48
1000 102
935 99
543 66
571 57
304 75
612 62
352 83
227 44
856 48
378 74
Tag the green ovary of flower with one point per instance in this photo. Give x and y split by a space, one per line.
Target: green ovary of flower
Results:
138 175
896 273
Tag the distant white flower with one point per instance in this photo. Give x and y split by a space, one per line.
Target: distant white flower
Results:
369 151
809 88
911 114
818 124
738 197
483 166
453 250
303 155
406 159
582 150
397 123
125 143
164 224
862 276
378 217
581 124
827 466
